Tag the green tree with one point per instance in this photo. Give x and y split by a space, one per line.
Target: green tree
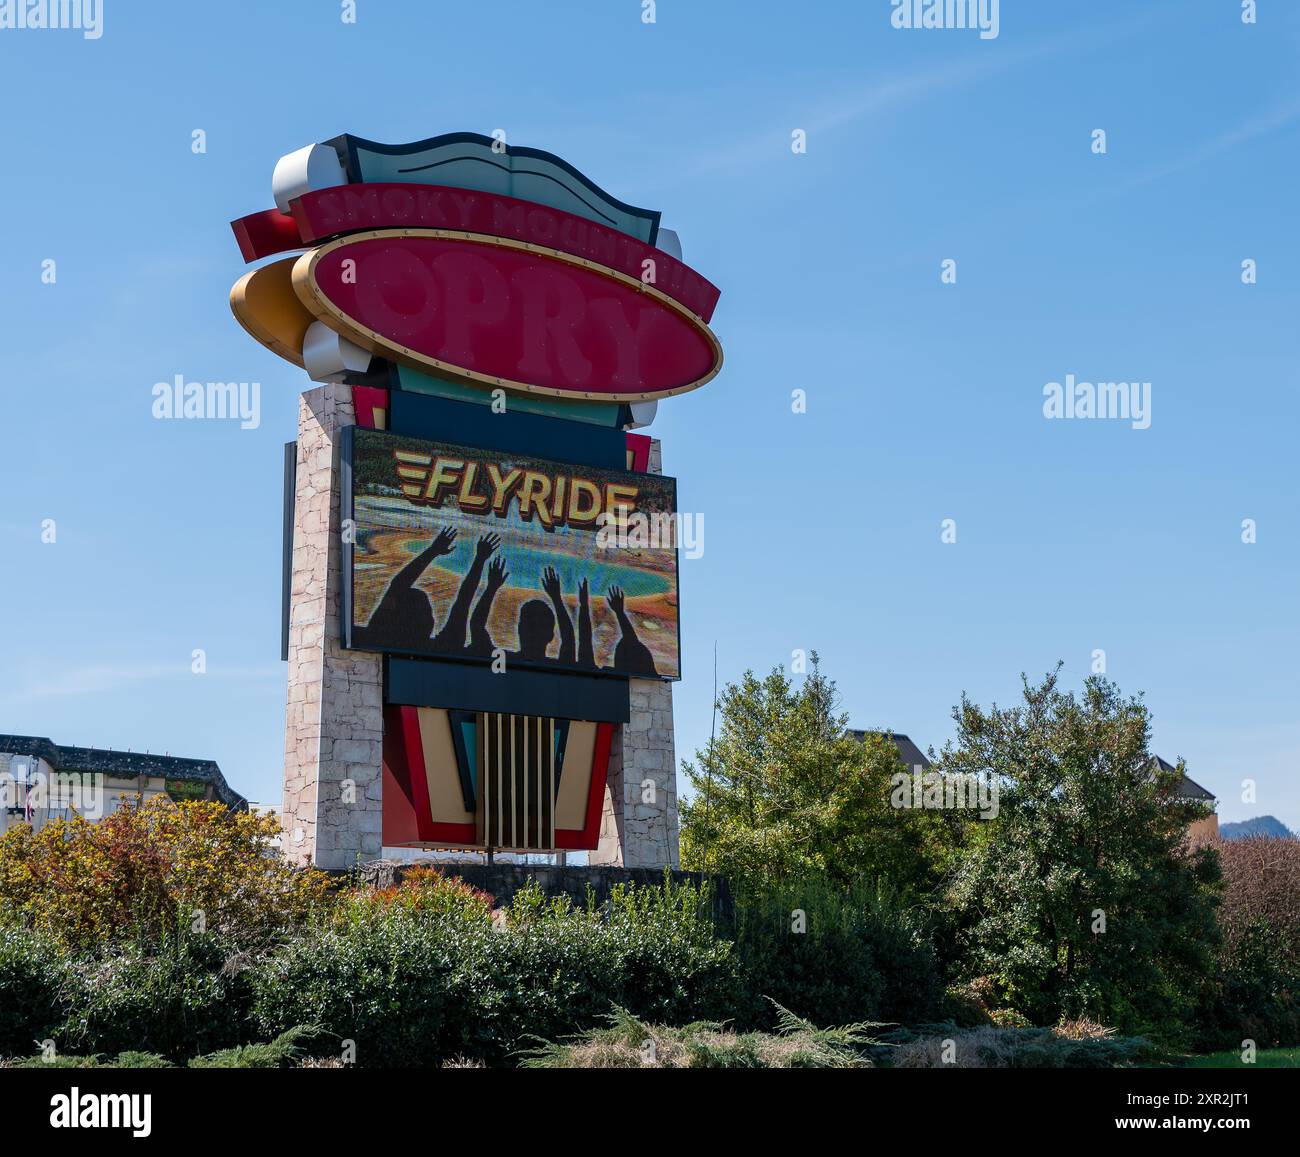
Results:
1084 897
784 791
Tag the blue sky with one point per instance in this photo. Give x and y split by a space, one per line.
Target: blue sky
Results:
822 530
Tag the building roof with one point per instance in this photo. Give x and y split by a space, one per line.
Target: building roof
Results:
1187 788
125 764
912 755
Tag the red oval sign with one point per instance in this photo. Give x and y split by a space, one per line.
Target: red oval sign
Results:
506 313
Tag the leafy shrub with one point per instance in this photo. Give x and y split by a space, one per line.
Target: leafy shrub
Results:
413 984
422 889
557 969
380 982
176 1000
836 956
1257 994
1257 991
967 1005
670 962
146 871
32 976
1009 1018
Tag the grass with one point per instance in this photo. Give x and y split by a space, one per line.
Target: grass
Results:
1264 1059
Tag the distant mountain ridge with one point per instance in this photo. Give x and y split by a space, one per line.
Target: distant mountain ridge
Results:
1259 826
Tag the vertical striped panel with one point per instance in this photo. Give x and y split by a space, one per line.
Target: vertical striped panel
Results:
518 781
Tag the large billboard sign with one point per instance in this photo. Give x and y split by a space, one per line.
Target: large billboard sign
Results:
497 557
506 314
480 265
488 327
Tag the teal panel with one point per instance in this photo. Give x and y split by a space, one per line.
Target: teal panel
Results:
468 161
441 165
470 732
594 413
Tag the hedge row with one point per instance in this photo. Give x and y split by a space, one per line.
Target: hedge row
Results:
427 974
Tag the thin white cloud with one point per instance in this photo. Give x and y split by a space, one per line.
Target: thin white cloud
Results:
885 94
1262 124
880 96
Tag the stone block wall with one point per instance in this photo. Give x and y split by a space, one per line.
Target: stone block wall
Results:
639 826
502 881
333 750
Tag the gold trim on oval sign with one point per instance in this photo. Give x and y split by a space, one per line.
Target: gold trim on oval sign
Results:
266 304
309 293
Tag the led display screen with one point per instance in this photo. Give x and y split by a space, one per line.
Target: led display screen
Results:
500 558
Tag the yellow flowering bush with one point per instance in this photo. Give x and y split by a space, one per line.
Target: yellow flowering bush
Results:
152 869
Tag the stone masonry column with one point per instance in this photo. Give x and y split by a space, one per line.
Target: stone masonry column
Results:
638 827
333 740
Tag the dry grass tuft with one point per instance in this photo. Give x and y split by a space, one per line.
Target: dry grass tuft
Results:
630 1044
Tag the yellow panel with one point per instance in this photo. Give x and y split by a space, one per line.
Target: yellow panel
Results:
575 778
265 304
445 799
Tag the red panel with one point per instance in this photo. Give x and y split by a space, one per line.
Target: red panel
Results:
400 823
589 838
414 744
638 448
408 816
371 405
379 205
261 234
462 835
506 316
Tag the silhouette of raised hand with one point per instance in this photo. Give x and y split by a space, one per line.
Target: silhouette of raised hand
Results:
615 600
452 635
405 613
480 640
631 655
586 653
551 583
